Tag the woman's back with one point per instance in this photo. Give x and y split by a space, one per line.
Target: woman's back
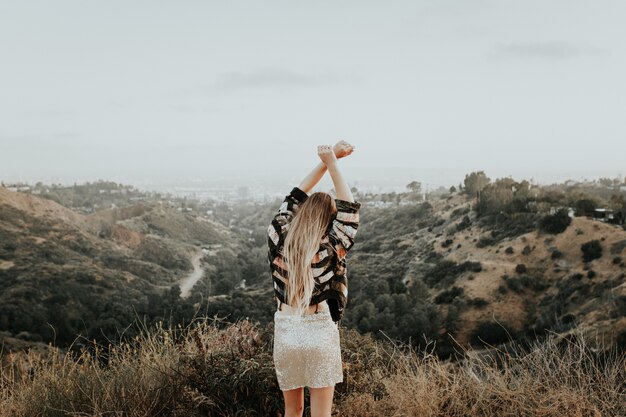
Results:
328 265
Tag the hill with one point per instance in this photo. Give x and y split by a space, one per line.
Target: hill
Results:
63 273
534 280
451 269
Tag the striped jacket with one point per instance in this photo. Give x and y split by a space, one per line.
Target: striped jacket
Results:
329 267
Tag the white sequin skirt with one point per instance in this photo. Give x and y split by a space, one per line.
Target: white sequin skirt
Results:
306 350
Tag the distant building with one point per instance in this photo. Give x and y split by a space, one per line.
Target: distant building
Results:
608 215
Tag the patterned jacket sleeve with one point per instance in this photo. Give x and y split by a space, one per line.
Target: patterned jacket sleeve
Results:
277 229
344 226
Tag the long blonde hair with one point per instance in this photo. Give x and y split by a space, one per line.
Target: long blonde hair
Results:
302 243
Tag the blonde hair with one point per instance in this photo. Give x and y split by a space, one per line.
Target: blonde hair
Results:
302 243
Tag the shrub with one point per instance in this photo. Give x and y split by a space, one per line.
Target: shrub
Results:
618 247
509 250
490 333
464 223
556 254
447 243
478 302
520 269
514 284
459 211
485 240
591 250
471 266
555 223
447 296
445 271
617 260
534 282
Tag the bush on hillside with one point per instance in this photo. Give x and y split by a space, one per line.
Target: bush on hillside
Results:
591 250
490 333
444 272
464 223
446 297
556 254
478 302
485 240
555 223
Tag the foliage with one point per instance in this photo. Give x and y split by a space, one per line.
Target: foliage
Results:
556 254
490 333
591 250
555 223
475 182
446 297
585 207
444 272
505 225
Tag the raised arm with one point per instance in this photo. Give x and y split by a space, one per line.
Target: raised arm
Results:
329 159
313 178
297 196
341 149
345 224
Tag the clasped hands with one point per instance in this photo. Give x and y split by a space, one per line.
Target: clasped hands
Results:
329 154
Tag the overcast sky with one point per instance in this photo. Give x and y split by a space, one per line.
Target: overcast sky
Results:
429 90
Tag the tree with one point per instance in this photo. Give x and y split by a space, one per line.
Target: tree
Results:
617 202
475 182
496 197
585 207
414 186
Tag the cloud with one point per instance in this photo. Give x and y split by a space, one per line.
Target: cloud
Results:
546 50
273 79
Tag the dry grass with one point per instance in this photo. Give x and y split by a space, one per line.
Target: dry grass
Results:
206 370
557 377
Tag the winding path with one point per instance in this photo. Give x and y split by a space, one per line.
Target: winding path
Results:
187 283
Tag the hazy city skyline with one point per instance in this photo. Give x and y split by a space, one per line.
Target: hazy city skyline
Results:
138 91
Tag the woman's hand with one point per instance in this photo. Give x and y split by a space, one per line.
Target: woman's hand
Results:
342 149
326 154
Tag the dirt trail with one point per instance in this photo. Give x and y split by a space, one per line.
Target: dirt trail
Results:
187 283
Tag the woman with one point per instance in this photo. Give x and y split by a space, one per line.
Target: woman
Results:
308 241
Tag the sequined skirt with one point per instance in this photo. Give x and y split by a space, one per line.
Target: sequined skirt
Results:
306 350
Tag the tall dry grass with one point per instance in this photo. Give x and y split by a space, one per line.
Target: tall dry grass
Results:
555 377
209 370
